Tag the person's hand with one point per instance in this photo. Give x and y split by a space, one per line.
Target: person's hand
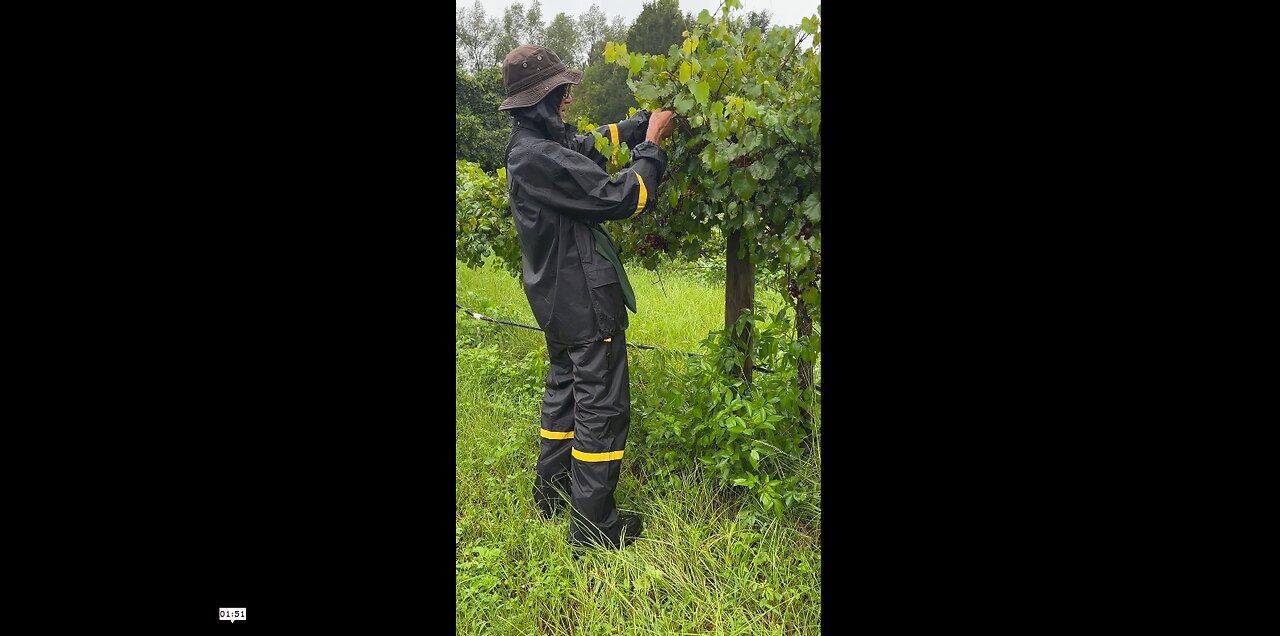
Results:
660 125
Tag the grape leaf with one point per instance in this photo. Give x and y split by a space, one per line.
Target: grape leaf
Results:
763 170
684 103
647 92
700 91
720 165
743 185
812 208
708 156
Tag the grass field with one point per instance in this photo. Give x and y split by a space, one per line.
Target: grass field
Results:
705 563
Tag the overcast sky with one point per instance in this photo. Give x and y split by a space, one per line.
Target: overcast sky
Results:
782 12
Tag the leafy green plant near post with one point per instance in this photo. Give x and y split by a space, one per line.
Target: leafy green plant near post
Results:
702 412
747 158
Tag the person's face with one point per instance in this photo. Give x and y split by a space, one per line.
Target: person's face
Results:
565 101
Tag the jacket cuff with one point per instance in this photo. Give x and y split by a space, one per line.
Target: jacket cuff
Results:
649 150
642 121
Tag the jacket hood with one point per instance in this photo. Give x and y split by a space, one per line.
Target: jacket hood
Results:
544 117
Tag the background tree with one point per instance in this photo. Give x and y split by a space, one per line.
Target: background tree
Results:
474 38
603 95
658 27
755 20
535 28
564 38
511 32
480 133
591 30
518 27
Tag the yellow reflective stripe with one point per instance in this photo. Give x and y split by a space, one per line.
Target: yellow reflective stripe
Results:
613 134
644 195
596 457
608 339
555 435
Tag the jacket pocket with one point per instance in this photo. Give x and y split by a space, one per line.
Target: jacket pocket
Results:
603 274
606 300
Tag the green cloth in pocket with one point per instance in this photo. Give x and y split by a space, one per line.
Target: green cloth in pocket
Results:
604 246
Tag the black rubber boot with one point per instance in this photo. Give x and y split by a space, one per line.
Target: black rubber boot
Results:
628 528
551 507
550 494
631 527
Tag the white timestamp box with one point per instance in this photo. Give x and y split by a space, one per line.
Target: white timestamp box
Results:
232 614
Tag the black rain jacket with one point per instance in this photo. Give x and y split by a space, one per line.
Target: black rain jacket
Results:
559 191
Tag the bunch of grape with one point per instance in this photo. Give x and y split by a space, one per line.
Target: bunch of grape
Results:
652 242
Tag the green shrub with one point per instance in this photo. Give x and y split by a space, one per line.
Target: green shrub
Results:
484 224
746 436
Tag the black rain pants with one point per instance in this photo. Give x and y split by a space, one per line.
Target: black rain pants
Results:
586 412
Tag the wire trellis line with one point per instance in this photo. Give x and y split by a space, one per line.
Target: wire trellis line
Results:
479 316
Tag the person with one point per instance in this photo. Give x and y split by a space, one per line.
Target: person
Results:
575 284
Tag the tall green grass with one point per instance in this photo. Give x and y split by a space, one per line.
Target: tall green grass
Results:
707 563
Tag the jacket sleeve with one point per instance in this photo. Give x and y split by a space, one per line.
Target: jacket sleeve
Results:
552 176
631 130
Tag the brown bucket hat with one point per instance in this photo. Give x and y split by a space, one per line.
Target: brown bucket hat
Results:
529 72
